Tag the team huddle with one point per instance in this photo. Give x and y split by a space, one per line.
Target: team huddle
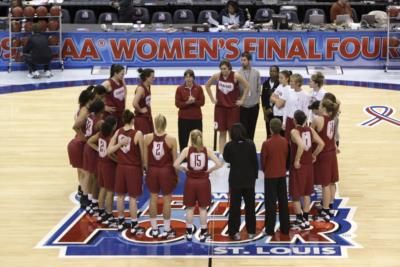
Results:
114 148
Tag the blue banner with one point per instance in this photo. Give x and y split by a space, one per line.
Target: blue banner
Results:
345 48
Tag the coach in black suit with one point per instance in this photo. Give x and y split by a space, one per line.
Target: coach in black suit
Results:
37 52
268 88
241 153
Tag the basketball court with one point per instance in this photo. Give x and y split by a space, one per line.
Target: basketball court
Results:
40 209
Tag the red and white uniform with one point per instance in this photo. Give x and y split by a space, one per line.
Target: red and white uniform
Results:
128 177
197 185
90 155
301 181
161 175
226 112
326 167
75 149
144 121
105 166
116 99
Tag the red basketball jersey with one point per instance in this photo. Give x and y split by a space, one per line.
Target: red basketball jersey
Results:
227 91
128 154
116 97
83 127
159 155
327 134
102 144
306 136
145 102
197 163
91 122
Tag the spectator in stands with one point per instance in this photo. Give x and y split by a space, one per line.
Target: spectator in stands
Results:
341 7
37 52
125 10
232 15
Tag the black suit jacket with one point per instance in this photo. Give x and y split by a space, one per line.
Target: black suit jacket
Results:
267 92
38 48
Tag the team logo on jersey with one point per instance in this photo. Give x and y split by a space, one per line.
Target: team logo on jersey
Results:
119 93
225 87
79 234
380 114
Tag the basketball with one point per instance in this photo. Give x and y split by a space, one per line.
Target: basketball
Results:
17 11
393 11
53 40
29 11
43 25
16 42
41 11
55 11
394 42
15 26
28 26
53 25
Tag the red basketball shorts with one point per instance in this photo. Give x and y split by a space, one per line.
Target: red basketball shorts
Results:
161 179
75 153
197 190
128 180
326 168
90 157
301 181
106 174
224 118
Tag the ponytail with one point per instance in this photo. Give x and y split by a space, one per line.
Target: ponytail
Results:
86 95
330 107
196 137
318 78
127 116
145 73
115 68
160 122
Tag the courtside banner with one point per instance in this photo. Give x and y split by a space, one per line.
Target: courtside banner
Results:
286 48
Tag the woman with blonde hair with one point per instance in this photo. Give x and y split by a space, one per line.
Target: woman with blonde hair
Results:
160 152
298 100
197 185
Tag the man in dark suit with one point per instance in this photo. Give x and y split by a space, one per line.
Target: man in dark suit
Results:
268 88
37 52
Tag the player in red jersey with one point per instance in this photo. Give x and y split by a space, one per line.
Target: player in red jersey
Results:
93 123
142 102
326 167
106 166
76 145
301 179
228 99
197 185
160 152
116 93
127 144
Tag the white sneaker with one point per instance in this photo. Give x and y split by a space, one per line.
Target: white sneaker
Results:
48 74
34 75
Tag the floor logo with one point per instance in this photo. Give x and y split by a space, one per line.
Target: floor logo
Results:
379 114
80 235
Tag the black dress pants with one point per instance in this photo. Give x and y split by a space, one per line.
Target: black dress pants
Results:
236 195
248 117
184 128
275 189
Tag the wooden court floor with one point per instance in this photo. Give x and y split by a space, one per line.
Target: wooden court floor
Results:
36 179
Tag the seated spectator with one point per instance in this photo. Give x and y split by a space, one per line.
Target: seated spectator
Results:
341 7
232 15
125 10
37 52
